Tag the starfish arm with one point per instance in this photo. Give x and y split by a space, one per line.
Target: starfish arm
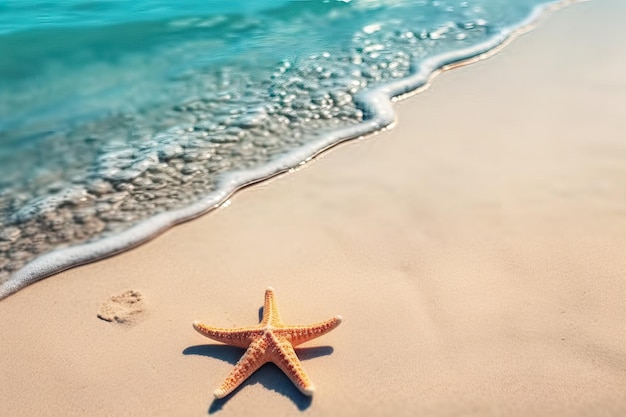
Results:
252 360
270 309
286 359
240 337
302 334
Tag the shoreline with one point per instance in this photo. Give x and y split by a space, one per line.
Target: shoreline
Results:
477 264
379 102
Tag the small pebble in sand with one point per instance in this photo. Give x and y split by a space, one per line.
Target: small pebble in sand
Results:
125 308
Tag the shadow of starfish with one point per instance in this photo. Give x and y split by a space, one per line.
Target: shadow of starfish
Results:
269 375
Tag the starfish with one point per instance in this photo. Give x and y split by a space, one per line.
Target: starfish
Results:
270 341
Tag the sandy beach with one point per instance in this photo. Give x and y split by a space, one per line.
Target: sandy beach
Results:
475 252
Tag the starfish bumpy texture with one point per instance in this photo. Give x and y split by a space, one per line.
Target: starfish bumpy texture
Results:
270 341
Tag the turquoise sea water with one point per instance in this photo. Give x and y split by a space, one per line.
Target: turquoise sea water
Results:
119 118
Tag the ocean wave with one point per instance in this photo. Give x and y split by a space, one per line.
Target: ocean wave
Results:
101 184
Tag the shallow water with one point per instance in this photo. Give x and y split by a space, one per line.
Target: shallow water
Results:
119 118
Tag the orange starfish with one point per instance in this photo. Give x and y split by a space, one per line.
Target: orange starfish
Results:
270 341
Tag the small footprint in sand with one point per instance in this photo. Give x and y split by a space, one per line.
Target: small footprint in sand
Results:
126 308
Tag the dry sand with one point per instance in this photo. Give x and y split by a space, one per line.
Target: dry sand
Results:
476 252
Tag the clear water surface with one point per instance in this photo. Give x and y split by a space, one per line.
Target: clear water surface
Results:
114 112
